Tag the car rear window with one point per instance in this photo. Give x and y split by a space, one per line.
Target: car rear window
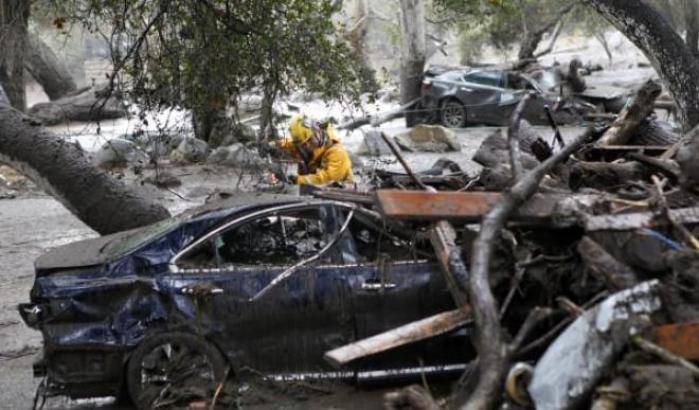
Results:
139 237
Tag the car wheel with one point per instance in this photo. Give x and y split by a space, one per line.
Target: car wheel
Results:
453 114
172 368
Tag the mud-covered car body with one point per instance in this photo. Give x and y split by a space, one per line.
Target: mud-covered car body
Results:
488 97
203 272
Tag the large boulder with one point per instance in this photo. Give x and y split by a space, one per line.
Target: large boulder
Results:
190 150
119 152
428 138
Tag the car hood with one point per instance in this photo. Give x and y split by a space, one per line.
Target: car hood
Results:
88 252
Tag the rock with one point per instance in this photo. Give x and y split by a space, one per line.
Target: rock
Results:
428 138
119 152
156 143
236 155
373 144
190 150
249 102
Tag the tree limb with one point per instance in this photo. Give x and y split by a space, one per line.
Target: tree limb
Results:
492 349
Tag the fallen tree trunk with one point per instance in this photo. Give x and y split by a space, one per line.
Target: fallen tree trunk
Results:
379 119
43 64
61 169
92 104
625 126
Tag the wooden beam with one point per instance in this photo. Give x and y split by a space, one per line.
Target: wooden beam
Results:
409 333
679 338
443 239
463 206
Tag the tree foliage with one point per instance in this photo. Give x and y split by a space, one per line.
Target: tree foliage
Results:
502 21
202 54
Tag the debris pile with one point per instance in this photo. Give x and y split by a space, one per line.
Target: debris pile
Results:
582 262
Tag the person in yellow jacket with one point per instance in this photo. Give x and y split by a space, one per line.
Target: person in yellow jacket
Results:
322 157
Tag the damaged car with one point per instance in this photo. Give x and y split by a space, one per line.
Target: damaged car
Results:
460 97
267 283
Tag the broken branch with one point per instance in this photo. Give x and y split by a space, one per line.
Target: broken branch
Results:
493 354
513 139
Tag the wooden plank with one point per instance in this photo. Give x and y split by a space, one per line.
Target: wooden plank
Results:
443 239
409 333
679 338
464 206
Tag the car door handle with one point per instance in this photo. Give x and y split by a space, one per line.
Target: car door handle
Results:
200 290
378 285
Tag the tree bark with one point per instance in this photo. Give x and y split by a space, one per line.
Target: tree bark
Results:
691 25
413 49
62 170
43 64
665 49
14 16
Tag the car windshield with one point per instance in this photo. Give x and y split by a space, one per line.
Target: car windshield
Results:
135 239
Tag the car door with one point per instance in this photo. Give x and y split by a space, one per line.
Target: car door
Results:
481 93
394 281
287 328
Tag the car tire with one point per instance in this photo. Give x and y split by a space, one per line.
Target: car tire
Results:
170 356
452 114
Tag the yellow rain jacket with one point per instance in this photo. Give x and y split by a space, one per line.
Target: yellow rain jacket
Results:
328 163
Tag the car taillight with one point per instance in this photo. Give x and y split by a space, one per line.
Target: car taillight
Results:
426 85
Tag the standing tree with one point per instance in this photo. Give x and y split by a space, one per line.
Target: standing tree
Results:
14 16
413 48
673 59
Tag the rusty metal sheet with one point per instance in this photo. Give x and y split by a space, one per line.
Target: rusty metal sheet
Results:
679 338
466 206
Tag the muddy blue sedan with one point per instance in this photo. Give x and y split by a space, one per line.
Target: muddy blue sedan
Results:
261 283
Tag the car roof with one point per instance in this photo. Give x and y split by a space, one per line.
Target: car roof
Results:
90 251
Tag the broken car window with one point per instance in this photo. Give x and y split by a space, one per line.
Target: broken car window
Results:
273 240
374 240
